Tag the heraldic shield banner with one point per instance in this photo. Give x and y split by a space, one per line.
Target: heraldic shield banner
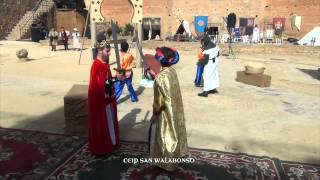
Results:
200 23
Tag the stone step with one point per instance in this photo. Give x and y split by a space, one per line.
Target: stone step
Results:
17 33
27 20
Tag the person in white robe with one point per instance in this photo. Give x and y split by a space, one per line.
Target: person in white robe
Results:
256 35
76 39
210 72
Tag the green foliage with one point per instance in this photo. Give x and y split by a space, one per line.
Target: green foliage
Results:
128 29
119 30
109 32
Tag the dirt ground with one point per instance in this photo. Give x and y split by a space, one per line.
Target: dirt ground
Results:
280 121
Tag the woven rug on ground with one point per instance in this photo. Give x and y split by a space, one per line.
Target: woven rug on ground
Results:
32 154
208 165
293 170
36 155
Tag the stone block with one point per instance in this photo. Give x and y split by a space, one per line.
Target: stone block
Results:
260 80
76 110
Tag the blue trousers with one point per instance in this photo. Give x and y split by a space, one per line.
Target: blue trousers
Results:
197 81
119 85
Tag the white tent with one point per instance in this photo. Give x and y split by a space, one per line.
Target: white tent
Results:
311 37
186 27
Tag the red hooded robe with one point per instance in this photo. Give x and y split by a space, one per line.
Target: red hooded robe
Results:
99 138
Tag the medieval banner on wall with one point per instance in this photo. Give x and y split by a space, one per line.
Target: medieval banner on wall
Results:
200 23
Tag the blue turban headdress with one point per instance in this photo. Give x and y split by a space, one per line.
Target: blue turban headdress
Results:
164 56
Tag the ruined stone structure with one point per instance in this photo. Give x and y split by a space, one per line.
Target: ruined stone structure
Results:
171 11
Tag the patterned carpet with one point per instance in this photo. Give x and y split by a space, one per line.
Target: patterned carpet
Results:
36 155
32 154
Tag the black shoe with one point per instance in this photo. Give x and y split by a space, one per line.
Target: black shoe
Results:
213 91
203 94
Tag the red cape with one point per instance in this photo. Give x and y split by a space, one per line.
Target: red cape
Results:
99 138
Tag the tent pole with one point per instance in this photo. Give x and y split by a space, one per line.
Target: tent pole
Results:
84 33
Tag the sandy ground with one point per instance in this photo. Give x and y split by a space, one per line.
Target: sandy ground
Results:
281 121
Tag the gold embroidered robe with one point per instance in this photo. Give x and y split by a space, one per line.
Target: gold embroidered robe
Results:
169 137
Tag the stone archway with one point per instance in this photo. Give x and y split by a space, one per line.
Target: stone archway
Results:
122 11
105 10
118 10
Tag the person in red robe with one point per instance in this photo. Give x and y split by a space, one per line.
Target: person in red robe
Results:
102 106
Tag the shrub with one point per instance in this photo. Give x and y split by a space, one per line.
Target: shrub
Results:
109 32
128 29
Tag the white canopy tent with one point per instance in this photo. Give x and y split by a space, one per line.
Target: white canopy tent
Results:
186 27
311 38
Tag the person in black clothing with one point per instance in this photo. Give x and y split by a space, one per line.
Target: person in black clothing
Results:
64 37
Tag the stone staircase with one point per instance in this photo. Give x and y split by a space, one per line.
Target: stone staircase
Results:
22 29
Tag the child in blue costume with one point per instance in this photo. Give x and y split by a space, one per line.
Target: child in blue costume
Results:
127 63
197 81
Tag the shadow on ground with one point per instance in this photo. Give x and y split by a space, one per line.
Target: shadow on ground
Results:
50 122
138 92
129 127
314 73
